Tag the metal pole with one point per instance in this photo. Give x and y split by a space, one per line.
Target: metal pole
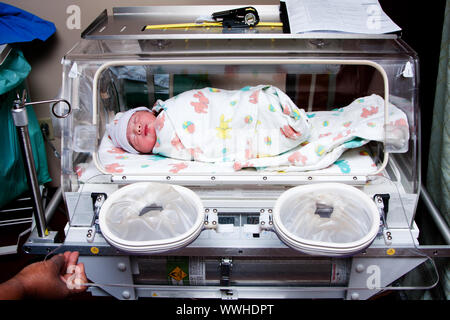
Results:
435 214
19 113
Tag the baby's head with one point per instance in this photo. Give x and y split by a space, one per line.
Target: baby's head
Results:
133 130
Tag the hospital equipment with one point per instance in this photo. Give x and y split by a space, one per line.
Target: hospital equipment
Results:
239 234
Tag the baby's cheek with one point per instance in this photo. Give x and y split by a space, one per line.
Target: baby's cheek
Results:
153 136
153 142
149 143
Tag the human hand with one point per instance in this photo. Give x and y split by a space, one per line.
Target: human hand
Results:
56 278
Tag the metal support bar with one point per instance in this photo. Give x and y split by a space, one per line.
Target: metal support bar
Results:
435 214
20 117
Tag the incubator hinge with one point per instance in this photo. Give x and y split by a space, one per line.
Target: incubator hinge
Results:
382 203
211 219
265 220
99 199
225 271
385 198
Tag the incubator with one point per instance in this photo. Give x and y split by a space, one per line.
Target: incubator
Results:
153 226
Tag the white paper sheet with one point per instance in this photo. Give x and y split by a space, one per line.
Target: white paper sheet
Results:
351 16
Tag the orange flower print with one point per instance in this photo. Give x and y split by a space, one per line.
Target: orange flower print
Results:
254 97
289 132
202 105
297 157
116 150
368 112
114 168
176 142
238 166
159 122
177 167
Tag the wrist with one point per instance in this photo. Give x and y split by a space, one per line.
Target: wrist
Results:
21 284
13 289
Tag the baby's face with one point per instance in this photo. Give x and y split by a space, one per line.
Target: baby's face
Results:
141 131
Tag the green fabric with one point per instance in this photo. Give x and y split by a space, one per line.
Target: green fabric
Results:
438 175
13 71
13 180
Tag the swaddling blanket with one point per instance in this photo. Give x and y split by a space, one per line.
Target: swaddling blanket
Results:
261 127
215 125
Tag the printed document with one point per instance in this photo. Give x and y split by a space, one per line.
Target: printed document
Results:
351 16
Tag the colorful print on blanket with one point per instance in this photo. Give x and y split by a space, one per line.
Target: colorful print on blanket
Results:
334 132
216 125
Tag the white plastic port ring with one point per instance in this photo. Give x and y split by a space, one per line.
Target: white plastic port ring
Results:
331 219
148 217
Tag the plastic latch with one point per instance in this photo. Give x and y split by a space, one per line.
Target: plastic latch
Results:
408 70
73 73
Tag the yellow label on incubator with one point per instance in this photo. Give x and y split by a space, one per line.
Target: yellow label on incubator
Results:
95 250
390 251
177 274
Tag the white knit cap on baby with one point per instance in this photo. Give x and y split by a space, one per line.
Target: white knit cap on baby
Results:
117 129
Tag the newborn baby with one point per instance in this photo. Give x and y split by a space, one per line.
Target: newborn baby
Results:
214 125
